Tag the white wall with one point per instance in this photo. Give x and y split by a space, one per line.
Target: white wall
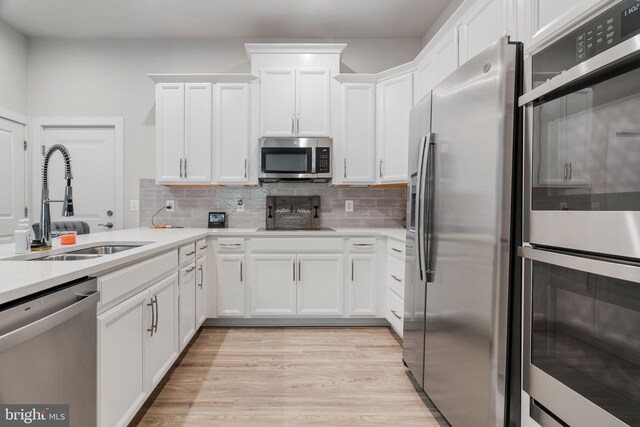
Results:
13 70
79 77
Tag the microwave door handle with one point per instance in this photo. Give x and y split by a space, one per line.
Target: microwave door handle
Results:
420 205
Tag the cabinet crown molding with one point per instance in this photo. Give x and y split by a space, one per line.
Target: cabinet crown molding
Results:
295 48
409 67
202 78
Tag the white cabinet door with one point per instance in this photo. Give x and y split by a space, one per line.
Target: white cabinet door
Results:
446 56
12 176
232 132
320 290
198 138
426 77
169 132
313 102
121 349
362 285
481 27
231 285
395 99
277 102
358 132
273 285
162 342
187 304
201 291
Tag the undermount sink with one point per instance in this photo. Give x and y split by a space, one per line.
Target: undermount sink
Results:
66 257
104 249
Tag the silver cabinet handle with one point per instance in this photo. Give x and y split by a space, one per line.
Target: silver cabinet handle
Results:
294 270
185 168
395 314
396 250
297 123
352 271
108 225
241 268
201 277
155 326
293 126
245 168
368 245
181 167
299 272
153 316
565 172
345 168
393 276
231 244
190 269
190 253
570 171
202 248
380 168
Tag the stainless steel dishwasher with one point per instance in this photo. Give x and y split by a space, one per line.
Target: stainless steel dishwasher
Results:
48 345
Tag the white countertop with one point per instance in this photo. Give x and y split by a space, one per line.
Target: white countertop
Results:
19 278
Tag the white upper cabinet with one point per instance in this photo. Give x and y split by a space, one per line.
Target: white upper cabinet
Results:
313 102
169 132
480 28
541 19
426 78
198 132
447 56
232 125
295 102
394 103
183 133
358 133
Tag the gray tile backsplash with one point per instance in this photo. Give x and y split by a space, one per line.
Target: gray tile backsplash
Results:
372 207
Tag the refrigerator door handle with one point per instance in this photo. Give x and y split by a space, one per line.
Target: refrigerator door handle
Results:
420 205
429 198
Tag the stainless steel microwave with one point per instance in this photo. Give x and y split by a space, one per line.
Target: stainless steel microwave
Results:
295 159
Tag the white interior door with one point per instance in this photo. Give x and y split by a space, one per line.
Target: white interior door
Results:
96 165
12 177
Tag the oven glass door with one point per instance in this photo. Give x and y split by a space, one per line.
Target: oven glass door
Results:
287 160
585 333
586 148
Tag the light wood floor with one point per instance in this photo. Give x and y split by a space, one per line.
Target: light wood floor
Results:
290 377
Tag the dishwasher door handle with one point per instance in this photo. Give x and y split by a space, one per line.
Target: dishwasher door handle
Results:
20 335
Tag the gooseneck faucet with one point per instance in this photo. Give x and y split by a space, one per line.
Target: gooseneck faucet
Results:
67 203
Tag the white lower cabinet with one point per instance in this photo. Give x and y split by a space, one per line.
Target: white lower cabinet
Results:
187 302
319 290
137 345
162 341
272 285
362 285
201 291
231 285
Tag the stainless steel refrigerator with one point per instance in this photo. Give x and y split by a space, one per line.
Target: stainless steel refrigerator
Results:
460 238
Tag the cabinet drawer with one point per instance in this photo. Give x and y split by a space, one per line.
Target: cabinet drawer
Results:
395 311
115 286
362 244
271 245
395 248
201 247
231 244
187 253
395 275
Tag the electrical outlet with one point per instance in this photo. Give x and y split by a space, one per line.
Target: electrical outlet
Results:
134 205
348 205
170 205
240 206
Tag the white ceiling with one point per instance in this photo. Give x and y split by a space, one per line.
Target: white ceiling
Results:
328 19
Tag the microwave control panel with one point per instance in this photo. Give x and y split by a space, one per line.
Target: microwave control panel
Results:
611 27
323 156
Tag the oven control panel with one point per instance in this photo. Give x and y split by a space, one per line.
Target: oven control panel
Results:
611 27
323 162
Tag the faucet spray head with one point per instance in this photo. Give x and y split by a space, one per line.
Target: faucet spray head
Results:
67 205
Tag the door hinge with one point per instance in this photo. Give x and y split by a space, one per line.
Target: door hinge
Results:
25 146
43 150
26 212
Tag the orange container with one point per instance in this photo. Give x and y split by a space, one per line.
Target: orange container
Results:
68 239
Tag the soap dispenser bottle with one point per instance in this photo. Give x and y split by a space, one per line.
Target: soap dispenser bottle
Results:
22 237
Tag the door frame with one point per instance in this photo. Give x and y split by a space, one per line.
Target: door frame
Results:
24 121
37 127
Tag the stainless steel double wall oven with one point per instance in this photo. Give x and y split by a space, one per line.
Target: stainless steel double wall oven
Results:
581 350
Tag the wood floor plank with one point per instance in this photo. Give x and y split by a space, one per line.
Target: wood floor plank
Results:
290 377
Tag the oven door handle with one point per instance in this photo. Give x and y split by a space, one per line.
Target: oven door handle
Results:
595 265
43 324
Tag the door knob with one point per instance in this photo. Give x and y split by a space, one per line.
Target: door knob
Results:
107 225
